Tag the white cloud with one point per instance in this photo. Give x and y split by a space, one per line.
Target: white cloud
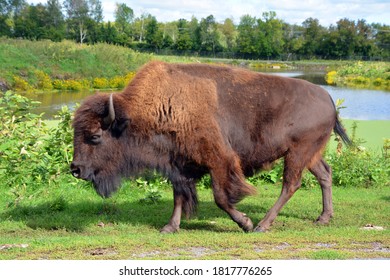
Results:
291 11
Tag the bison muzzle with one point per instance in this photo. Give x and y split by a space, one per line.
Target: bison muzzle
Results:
188 120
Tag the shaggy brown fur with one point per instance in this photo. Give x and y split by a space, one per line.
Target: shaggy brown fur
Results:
188 120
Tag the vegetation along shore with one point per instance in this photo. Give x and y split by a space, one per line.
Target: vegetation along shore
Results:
42 66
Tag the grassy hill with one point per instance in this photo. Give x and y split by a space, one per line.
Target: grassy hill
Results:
36 65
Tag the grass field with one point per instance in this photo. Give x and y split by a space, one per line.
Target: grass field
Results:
72 222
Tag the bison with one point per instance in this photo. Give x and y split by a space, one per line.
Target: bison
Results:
188 120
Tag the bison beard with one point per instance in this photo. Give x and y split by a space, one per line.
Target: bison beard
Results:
189 120
106 186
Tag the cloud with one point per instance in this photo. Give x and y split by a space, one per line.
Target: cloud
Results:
291 11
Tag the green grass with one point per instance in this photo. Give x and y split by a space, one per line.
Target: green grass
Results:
66 222
64 61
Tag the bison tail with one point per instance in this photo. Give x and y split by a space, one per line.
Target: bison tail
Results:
340 130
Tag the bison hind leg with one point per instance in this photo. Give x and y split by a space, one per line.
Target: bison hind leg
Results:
322 171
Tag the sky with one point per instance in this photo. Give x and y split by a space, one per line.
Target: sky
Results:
291 11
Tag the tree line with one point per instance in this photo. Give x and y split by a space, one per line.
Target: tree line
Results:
265 37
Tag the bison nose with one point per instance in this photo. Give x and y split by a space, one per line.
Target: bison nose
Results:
76 171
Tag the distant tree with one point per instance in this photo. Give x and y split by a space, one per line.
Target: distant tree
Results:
183 42
312 34
382 39
365 46
153 35
170 34
209 35
30 22
139 26
229 31
55 21
270 35
246 39
83 15
5 24
124 17
194 30
294 40
347 37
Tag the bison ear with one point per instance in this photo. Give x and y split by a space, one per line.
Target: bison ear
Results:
115 119
118 126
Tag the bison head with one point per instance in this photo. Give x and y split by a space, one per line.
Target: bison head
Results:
99 143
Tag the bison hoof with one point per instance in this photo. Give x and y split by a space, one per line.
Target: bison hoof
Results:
260 229
247 225
321 221
169 229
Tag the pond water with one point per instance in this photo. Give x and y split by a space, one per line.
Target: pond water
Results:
361 104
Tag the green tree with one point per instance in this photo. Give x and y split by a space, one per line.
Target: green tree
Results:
330 48
55 23
270 35
83 16
124 17
209 35
153 35
246 40
229 31
312 34
30 22
170 34
347 37
294 40
365 46
382 39
183 42
194 30
5 23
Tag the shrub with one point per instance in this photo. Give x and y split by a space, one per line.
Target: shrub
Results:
44 81
21 85
31 157
59 84
73 85
21 146
118 82
100 83
331 77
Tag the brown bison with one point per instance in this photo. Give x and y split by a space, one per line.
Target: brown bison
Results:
186 120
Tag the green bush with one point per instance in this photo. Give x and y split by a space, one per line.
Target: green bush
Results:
361 74
32 157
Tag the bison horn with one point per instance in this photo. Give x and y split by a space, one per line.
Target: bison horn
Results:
111 112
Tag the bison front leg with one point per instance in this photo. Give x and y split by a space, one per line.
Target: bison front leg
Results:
229 187
174 223
185 200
